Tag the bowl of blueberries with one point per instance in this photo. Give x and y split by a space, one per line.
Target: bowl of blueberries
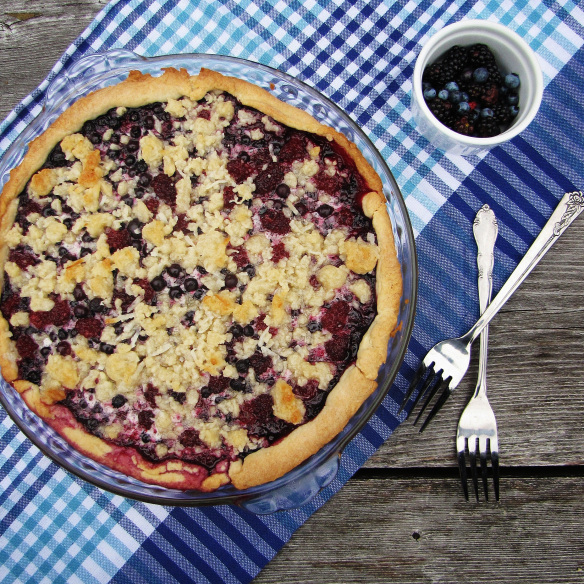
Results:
476 85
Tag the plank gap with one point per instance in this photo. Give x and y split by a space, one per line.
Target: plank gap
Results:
568 471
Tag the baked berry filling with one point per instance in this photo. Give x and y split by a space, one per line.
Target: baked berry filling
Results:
193 277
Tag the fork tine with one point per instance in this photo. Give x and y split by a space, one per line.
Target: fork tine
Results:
428 391
483 454
461 445
495 463
446 391
417 377
472 451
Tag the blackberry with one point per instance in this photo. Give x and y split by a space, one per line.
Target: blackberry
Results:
490 94
487 127
480 54
443 110
463 126
455 59
475 91
501 113
434 74
494 74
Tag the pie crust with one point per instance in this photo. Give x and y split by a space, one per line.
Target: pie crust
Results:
266 461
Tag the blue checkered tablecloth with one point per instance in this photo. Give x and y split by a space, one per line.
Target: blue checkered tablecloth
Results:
57 528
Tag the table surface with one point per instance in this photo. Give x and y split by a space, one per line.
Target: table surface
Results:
402 517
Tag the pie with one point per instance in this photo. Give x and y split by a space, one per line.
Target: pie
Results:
199 280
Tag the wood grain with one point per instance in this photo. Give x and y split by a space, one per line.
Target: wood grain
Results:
403 518
420 530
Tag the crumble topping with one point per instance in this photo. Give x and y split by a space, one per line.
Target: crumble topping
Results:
191 278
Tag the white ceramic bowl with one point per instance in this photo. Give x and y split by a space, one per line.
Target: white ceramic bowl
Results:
513 55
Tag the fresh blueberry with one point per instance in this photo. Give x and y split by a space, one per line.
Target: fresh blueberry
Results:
463 107
487 113
455 96
426 85
513 111
513 99
429 93
512 81
451 86
443 94
480 75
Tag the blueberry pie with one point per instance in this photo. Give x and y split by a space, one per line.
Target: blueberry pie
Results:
199 281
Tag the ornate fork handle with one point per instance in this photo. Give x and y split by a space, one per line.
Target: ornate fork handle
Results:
485 229
570 206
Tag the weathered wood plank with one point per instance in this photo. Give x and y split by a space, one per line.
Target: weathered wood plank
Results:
33 36
406 530
535 380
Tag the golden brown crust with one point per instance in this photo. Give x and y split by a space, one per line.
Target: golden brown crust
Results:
356 384
271 463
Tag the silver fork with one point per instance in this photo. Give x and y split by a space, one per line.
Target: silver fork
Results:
477 426
446 363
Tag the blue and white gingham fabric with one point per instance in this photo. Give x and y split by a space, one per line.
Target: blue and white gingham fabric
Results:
56 528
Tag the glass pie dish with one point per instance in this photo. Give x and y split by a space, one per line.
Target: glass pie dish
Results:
301 484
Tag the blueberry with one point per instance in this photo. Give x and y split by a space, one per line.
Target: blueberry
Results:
451 86
242 366
480 75
237 384
463 107
248 330
236 330
174 271
250 270
95 305
80 311
429 94
282 190
231 281
135 228
118 401
158 284
191 284
455 96
314 326
443 94
513 99
106 348
175 293
426 85
325 210
487 113
130 160
512 81
513 111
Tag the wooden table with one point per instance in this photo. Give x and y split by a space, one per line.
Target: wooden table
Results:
402 518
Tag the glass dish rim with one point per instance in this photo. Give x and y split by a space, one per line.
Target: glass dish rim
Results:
364 413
